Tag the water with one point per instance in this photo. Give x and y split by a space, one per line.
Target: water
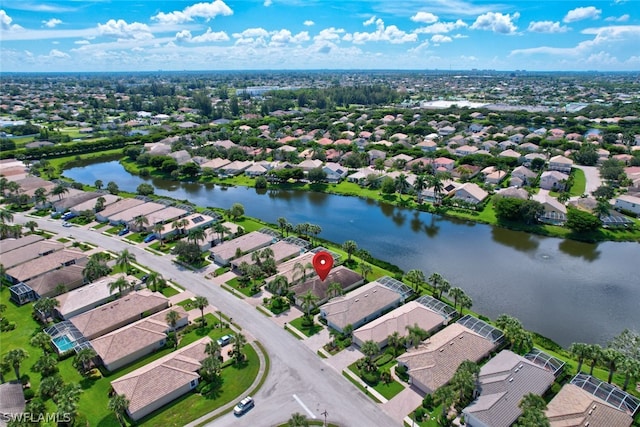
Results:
63 343
566 290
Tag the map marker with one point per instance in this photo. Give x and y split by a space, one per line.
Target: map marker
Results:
322 263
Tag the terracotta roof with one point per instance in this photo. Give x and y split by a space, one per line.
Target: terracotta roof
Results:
246 242
44 264
346 277
574 407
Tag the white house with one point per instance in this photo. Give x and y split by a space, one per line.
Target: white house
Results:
628 203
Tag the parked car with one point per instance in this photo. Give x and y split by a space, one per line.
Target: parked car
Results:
67 224
68 216
243 406
150 238
222 341
123 232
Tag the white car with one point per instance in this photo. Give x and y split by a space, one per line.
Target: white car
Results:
243 406
67 224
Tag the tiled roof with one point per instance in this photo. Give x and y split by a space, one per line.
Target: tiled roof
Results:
574 407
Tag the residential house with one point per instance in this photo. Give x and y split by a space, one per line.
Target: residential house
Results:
448 188
588 401
129 343
446 130
121 312
525 175
90 204
397 320
117 207
13 244
628 203
292 273
195 220
180 156
28 252
503 382
518 193
335 172
554 211
235 168
347 278
495 177
444 164
255 170
436 360
39 266
12 401
215 164
282 251
227 251
561 164
157 383
466 150
510 154
470 193
89 296
127 216
427 145
307 165
364 304
553 180
360 177
212 237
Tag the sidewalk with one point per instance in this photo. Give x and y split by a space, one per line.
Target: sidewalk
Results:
369 389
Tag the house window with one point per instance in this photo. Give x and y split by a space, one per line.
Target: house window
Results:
194 383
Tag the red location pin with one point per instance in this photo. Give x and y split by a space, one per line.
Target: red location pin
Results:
322 263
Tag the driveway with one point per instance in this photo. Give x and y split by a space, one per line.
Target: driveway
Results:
592 176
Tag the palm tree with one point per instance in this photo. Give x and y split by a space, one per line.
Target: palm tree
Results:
365 270
155 281
40 196
267 253
41 340
415 277
31 225
334 289
210 368
444 396
465 302
434 280
308 303
602 209
401 183
282 224
124 260
46 365
172 318
15 357
416 335
201 303
212 348
120 284
594 355
98 184
278 285
436 183
533 407
140 222
157 230
612 357
45 306
196 235
221 229
370 349
420 185
299 268
59 190
298 420
238 345
456 294
630 368
119 404
5 216
315 230
580 351
84 359
349 247
394 341
4 369
95 269
67 401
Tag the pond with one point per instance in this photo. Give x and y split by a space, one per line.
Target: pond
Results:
568 291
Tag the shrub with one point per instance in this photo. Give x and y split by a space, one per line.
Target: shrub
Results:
29 394
418 414
427 402
383 359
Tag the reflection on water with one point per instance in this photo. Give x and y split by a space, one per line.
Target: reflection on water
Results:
566 290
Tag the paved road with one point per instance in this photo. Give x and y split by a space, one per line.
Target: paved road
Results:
592 175
299 381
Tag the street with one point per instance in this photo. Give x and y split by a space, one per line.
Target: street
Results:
298 381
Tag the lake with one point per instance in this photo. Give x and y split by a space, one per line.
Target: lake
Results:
568 291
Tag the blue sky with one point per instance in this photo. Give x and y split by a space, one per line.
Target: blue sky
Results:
123 35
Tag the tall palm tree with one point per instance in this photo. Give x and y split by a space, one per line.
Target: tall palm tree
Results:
40 196
315 229
41 340
282 223
334 289
436 183
594 355
67 401
444 396
612 358
415 277
580 351
221 229
630 368
308 302
457 294
394 341
434 280
196 235
120 284
365 270
172 318
94 269
279 285
201 303
14 358
420 185
157 230
84 359
416 335
155 281
238 345
140 222
350 246
212 348
119 404
5 216
401 184
59 190
370 349
124 260
46 306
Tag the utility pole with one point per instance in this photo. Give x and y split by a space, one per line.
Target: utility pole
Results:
325 413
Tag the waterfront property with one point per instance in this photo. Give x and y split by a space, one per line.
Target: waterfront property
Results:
345 277
435 361
503 382
224 253
113 209
160 382
282 251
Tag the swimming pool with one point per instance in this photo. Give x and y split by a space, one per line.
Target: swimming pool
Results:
63 343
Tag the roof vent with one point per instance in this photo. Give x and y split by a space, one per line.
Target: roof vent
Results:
593 407
441 350
590 411
366 295
451 343
520 367
356 300
511 379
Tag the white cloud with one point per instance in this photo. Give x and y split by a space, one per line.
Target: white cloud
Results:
439 38
623 18
496 22
369 21
421 48
267 3
284 37
81 42
198 10
208 36
424 17
441 27
309 23
547 27
5 22
460 36
51 23
251 36
391 34
581 13
55 53
121 30
329 34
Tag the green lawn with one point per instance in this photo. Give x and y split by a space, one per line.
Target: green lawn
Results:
579 182
250 224
386 390
169 291
235 284
308 331
136 237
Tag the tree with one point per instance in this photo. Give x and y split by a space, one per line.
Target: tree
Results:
236 211
238 345
196 235
40 196
456 294
98 184
84 359
46 306
444 396
14 358
298 420
157 230
420 185
630 368
395 341
612 358
387 186
582 221
594 354
580 351
435 182
31 225
370 349
282 224
67 401
308 303
334 289
94 269
145 189
415 277
520 340
201 303
365 270
41 340
279 285
317 175
415 335
120 284
5 216
112 187
155 281
119 404
50 386
124 260
140 222
533 407
59 190
46 365
602 208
